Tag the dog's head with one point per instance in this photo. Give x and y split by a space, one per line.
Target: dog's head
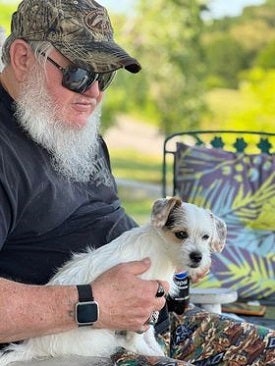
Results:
190 232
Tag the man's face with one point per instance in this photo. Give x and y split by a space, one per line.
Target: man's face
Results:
74 108
62 121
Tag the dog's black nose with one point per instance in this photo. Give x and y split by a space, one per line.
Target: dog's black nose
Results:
196 257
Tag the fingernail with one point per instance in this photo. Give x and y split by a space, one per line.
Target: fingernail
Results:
147 260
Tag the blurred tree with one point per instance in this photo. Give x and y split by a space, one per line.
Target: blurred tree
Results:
165 36
225 58
253 34
266 57
239 40
172 58
264 12
257 87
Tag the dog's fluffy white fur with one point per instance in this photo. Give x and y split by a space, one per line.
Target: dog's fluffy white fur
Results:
179 236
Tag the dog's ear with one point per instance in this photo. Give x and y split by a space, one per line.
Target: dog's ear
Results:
219 236
162 209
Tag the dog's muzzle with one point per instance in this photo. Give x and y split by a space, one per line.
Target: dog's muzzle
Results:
196 258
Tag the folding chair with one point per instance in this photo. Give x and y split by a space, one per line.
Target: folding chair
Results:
233 174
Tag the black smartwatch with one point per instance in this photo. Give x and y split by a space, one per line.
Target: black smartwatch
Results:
86 310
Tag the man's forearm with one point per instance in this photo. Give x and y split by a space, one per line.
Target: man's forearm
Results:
29 311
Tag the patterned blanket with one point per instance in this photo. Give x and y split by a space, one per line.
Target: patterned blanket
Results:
204 339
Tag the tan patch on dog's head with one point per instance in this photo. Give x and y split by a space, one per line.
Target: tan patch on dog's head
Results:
219 234
162 209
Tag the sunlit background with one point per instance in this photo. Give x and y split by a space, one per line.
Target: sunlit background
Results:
206 64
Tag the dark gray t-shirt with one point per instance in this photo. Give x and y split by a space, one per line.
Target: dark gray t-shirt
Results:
43 216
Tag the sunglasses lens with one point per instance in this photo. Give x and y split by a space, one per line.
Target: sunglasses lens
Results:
77 79
104 80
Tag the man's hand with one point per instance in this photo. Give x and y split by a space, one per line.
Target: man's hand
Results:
125 300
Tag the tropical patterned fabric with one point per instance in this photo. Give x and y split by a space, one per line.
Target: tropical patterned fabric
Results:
239 188
204 339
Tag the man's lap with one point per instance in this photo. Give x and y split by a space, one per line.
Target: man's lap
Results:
210 339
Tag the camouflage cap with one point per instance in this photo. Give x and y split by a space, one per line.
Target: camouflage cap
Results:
80 29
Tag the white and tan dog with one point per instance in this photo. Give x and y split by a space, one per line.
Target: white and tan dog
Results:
180 236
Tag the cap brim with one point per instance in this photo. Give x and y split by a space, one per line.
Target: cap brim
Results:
99 56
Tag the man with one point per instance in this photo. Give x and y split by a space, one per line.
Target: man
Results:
57 193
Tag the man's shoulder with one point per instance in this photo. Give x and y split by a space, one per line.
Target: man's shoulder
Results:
14 142
10 131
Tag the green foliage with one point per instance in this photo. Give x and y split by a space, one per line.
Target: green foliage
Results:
169 88
266 57
173 48
259 89
232 45
225 59
252 107
264 12
183 57
6 10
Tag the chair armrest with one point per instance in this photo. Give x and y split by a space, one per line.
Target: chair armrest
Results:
211 299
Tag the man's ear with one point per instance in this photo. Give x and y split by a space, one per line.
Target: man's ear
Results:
22 58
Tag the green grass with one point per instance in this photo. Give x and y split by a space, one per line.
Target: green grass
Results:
134 166
138 208
131 164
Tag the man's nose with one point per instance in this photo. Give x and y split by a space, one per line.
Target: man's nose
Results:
93 90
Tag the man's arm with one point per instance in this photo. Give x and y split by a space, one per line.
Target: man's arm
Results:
29 310
125 302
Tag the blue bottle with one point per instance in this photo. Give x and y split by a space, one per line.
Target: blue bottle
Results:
180 301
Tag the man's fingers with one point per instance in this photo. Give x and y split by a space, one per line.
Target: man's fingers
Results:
138 267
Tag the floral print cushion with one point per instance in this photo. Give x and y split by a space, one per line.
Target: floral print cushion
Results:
200 338
239 188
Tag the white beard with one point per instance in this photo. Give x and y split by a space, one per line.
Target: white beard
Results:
73 150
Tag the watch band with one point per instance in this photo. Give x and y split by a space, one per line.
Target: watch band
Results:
85 293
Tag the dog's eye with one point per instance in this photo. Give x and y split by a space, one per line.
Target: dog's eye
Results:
205 237
181 235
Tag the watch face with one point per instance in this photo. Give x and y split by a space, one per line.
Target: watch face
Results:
86 312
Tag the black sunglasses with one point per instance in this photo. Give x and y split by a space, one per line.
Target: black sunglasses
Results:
79 80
